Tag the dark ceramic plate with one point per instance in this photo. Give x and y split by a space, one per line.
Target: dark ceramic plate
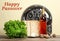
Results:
34 12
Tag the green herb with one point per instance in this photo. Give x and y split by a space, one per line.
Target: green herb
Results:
15 29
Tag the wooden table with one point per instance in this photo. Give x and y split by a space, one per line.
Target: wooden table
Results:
3 38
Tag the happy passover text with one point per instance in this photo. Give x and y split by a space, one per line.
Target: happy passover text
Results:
11 6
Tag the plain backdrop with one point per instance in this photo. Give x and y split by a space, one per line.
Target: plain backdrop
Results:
52 5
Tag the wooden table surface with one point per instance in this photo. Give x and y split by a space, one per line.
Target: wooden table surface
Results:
3 38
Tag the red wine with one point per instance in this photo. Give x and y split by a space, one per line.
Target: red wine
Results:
43 25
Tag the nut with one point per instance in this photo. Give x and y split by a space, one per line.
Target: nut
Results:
46 36
54 35
41 36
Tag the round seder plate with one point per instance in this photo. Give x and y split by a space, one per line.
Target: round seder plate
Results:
33 13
